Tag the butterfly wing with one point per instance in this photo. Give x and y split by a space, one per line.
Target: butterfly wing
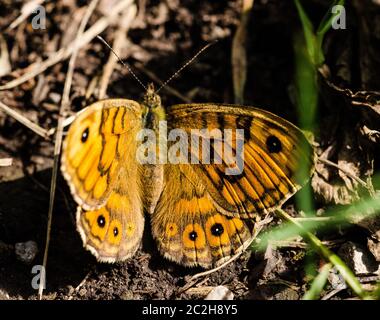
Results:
187 225
99 164
273 150
95 147
113 232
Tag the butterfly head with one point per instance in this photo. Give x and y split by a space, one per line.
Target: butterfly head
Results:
151 99
153 110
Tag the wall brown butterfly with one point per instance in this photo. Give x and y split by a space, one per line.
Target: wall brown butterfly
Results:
199 215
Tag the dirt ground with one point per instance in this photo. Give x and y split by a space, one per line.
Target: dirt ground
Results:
161 39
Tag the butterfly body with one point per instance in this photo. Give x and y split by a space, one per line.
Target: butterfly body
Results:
200 215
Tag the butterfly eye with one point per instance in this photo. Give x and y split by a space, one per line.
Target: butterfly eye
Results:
85 135
193 235
274 144
217 229
101 221
115 231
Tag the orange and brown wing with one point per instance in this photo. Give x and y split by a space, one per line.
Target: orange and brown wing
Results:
95 148
187 225
113 232
273 152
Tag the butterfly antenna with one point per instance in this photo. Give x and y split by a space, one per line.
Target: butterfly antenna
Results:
186 64
126 65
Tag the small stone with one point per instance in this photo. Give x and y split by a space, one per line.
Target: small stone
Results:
358 258
286 294
220 293
26 251
374 247
55 97
336 279
127 295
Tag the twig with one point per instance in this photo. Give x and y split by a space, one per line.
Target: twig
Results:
239 54
369 279
64 53
190 284
6 162
125 22
351 175
332 293
257 229
26 11
80 285
301 244
283 282
25 121
346 172
58 137
198 288
66 122
140 19
5 65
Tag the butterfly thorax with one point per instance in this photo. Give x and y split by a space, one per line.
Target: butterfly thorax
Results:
152 176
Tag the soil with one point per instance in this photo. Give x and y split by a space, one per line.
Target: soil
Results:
167 35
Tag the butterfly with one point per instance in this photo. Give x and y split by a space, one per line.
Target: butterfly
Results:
199 214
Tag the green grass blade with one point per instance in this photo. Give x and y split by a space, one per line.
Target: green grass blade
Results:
326 253
337 217
305 82
308 30
318 284
324 26
326 22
